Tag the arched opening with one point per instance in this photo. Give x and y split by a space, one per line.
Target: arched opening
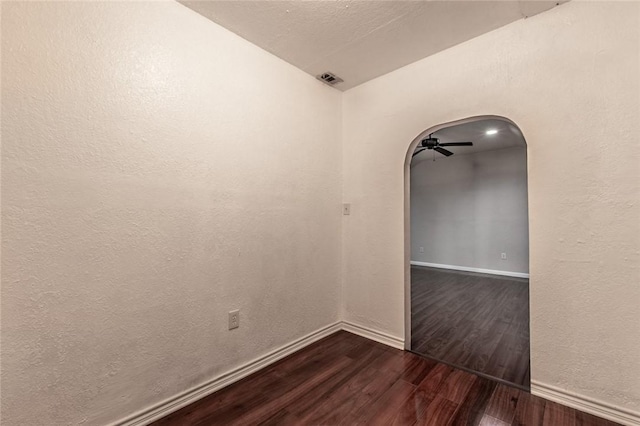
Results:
467 248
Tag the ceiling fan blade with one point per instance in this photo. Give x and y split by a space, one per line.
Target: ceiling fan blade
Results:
456 144
418 152
443 151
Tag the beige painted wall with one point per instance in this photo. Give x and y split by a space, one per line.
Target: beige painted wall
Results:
157 172
569 80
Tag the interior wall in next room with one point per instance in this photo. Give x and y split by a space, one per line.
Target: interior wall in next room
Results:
466 210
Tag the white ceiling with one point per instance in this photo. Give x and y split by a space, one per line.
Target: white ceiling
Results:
359 40
508 136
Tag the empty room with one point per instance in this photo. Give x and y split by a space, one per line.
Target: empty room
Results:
228 212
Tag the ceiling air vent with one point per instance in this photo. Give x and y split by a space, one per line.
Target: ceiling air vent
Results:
329 78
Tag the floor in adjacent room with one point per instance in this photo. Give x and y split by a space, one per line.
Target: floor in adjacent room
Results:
474 321
345 379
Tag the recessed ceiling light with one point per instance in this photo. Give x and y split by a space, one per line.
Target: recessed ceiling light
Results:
492 131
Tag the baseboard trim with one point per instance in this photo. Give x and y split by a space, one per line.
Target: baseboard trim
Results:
468 269
370 333
166 407
588 405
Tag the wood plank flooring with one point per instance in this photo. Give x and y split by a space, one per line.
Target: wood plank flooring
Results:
475 321
345 379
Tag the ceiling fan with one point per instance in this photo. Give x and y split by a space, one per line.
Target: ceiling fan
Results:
434 144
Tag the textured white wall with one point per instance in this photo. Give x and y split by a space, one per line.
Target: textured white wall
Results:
468 209
157 171
569 79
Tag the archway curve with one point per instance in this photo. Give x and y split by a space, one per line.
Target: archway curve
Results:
407 206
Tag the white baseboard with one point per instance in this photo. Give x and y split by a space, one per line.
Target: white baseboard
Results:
588 405
468 269
372 334
162 409
168 406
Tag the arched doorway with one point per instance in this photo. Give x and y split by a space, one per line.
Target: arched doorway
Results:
466 250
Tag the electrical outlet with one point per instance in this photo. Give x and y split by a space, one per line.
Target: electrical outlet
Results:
346 209
421 249
234 319
503 256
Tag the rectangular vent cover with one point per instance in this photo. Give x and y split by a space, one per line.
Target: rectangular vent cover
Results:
329 78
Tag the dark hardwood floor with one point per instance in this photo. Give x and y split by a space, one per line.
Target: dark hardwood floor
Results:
345 379
475 321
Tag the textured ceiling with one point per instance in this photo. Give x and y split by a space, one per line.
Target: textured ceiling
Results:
361 40
508 136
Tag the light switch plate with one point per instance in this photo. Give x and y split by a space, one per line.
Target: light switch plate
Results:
234 319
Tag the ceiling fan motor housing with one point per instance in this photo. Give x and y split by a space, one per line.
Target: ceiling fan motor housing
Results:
429 143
